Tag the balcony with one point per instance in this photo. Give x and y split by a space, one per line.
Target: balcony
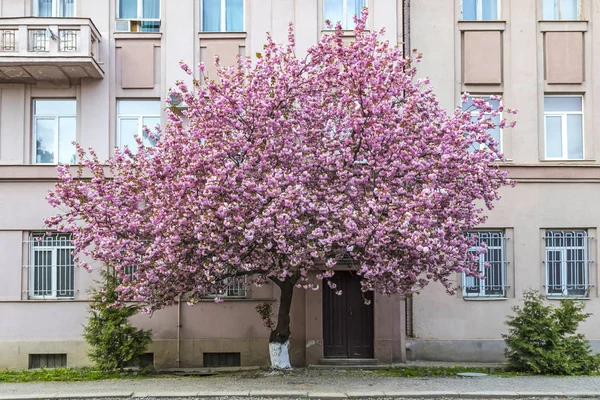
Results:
54 50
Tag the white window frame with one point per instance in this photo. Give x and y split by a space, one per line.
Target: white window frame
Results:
344 15
223 17
475 113
235 290
564 262
499 235
139 18
558 17
33 247
564 134
479 11
140 119
56 118
55 8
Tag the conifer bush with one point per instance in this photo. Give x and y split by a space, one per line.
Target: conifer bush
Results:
115 342
543 339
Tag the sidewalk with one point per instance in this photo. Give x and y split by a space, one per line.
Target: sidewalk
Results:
314 384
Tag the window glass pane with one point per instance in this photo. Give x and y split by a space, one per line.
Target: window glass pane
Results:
128 9
128 128
44 140
353 8
489 10
553 137
550 9
55 107
138 107
234 15
469 10
569 9
44 8
42 273
211 15
151 123
150 26
554 103
333 10
67 127
67 8
151 9
575 136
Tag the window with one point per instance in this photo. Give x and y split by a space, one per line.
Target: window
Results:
563 127
54 131
492 264
480 10
138 16
495 132
132 116
567 263
560 10
342 11
52 270
47 361
222 15
54 8
235 288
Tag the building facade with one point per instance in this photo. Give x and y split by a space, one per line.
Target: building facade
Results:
541 57
96 72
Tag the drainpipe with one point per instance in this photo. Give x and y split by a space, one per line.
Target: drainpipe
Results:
179 332
406 26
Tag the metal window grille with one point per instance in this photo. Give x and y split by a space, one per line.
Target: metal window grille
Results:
8 40
47 361
492 264
567 263
235 289
129 271
51 266
68 40
222 359
38 40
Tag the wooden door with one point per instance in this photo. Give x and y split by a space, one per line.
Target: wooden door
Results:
347 320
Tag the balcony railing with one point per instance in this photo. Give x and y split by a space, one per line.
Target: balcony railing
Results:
70 44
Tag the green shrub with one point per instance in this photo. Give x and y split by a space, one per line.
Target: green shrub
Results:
543 339
115 342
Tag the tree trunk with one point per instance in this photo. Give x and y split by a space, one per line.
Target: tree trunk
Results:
279 341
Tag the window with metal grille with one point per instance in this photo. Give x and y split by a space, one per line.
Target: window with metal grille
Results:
47 361
222 360
51 266
8 40
235 289
567 263
492 264
38 40
68 39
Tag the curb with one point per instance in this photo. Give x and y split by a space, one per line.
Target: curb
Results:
298 394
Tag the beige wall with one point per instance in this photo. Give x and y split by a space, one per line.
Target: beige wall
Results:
548 194
145 65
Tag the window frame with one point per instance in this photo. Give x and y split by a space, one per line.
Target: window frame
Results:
559 10
475 113
55 9
479 11
564 132
140 118
140 16
56 117
344 15
238 287
483 260
223 19
54 268
586 262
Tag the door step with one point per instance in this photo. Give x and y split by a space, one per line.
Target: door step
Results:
348 361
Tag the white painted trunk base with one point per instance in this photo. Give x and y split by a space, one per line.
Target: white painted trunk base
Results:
280 355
